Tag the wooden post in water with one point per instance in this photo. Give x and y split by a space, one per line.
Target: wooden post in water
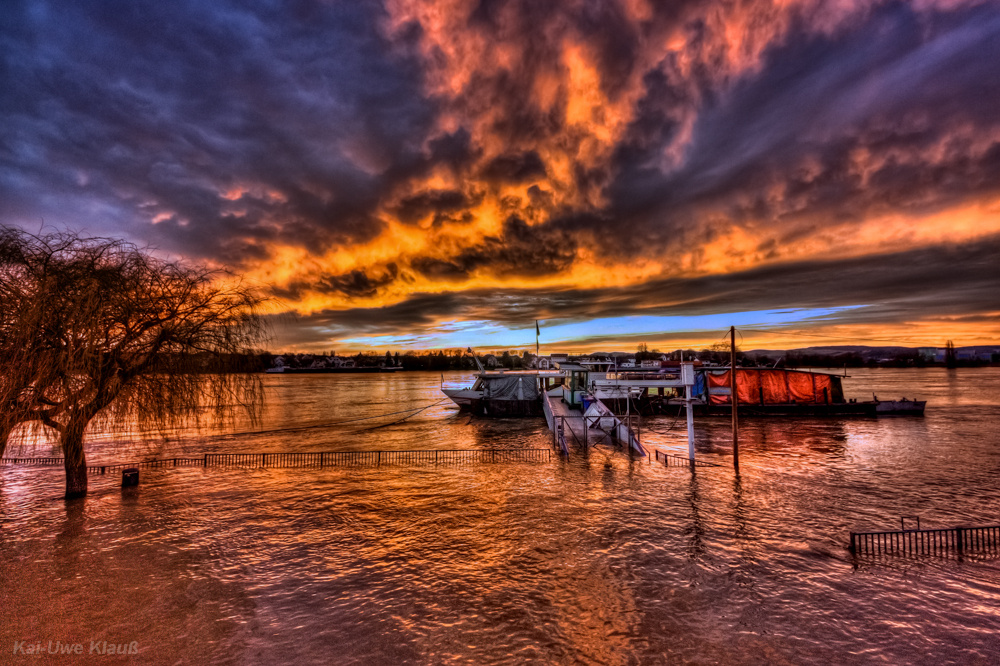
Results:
734 398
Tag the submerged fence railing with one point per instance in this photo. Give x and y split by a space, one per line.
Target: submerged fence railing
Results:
675 460
342 459
31 461
946 542
316 459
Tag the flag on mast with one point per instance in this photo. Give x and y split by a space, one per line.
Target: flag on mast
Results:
537 333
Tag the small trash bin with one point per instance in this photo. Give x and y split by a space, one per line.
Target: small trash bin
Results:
130 477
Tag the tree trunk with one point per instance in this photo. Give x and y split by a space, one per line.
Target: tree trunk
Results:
4 438
74 459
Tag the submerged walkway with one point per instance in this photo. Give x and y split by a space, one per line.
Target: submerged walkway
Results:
596 425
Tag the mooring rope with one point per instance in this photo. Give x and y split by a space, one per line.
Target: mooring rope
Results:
386 425
411 412
331 424
676 419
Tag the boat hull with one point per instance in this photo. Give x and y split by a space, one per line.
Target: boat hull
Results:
329 371
900 407
836 409
474 402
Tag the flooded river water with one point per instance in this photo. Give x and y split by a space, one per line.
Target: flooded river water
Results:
595 559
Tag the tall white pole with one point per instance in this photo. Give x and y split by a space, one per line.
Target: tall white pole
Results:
690 423
687 378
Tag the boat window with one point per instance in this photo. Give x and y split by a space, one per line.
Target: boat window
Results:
574 381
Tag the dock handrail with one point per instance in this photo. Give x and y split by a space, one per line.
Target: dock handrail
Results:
622 430
558 434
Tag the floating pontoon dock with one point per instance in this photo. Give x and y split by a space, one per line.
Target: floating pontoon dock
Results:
576 414
589 428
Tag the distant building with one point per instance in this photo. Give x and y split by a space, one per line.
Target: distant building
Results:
931 354
542 363
973 355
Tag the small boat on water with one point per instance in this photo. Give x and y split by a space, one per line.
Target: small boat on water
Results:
501 393
902 407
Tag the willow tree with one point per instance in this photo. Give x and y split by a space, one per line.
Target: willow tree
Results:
119 338
26 368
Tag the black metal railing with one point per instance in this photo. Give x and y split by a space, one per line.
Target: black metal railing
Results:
946 542
316 459
563 428
31 461
674 460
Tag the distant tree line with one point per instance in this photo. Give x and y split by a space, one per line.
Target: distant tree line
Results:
715 354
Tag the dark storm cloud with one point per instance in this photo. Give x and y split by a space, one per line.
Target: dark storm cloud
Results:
910 91
221 130
359 283
440 204
136 110
957 282
518 168
140 108
520 250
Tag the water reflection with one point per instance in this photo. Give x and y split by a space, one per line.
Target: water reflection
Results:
598 558
69 539
696 530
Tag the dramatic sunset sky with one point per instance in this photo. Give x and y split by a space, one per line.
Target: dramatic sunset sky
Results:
416 174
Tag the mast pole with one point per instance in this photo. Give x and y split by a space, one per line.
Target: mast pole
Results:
734 397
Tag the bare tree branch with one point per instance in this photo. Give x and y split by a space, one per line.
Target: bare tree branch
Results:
97 333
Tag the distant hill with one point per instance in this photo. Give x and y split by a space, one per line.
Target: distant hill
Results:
867 353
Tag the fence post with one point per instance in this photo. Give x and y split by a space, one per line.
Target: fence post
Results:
958 541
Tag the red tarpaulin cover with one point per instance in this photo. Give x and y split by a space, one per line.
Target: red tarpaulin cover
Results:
718 382
775 388
823 383
748 386
800 387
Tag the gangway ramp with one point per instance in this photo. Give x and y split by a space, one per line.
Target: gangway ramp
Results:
582 428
